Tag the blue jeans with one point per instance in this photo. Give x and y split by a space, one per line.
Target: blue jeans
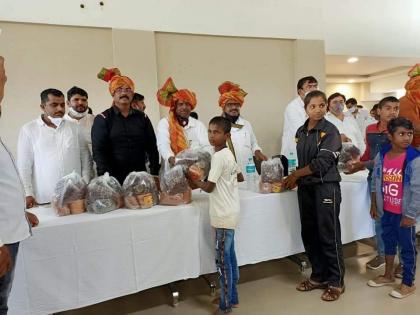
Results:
380 247
227 267
394 235
7 279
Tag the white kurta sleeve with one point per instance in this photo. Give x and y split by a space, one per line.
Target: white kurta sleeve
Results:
25 161
164 140
85 156
254 143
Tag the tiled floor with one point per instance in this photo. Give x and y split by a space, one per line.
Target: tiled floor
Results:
269 288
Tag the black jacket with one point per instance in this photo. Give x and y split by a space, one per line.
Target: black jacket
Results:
120 144
319 148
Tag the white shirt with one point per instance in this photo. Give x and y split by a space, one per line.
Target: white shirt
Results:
294 117
244 142
349 127
45 155
85 124
362 118
224 199
195 132
13 224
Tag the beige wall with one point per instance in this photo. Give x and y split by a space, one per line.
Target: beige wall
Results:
41 56
347 89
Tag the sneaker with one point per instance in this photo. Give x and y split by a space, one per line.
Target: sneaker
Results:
398 272
402 291
376 263
380 281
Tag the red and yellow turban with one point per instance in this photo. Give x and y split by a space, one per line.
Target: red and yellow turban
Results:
168 96
230 91
412 87
115 79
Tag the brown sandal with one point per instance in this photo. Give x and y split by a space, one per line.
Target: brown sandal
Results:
332 294
308 285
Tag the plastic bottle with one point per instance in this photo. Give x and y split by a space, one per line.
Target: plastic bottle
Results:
291 158
251 175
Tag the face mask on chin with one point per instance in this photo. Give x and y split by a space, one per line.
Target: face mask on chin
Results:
55 120
75 114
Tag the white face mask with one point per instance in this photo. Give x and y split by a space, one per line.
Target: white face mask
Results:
352 109
75 114
56 121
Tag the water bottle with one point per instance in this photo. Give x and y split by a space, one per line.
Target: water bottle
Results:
291 158
251 175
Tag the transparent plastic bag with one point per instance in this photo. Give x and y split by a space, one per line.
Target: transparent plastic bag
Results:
196 163
349 153
271 180
69 195
104 194
140 191
175 188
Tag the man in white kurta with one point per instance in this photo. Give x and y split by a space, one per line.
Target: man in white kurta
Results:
244 143
77 101
295 116
49 148
179 131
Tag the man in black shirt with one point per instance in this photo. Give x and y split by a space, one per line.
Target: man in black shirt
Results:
122 136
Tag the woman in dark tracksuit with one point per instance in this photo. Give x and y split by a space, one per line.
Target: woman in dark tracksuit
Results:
317 177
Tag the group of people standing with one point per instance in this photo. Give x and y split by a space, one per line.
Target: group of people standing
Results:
122 139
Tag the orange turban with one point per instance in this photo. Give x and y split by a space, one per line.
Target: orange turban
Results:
115 79
168 96
410 103
230 91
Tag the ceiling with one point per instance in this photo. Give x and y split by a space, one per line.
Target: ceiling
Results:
338 70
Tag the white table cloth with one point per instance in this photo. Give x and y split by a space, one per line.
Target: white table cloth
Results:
75 261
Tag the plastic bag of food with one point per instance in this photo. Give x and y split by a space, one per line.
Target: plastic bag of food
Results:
271 180
104 194
69 195
175 188
196 163
140 191
349 153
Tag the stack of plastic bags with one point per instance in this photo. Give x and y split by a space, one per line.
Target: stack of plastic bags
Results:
140 191
69 195
196 163
271 180
104 194
175 188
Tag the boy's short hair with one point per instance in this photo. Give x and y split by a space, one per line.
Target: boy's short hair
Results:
351 101
313 94
399 122
76 90
388 99
221 122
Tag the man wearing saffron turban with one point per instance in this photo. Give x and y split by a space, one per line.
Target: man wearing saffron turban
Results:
179 131
410 102
243 142
123 136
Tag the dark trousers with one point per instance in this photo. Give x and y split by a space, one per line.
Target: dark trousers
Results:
319 207
7 279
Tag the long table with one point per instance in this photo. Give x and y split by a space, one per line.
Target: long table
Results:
75 261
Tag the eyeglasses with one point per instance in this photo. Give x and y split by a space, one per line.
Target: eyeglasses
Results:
120 90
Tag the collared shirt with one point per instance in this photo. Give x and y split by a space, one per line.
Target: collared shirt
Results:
244 142
195 132
13 224
46 154
348 126
120 144
294 117
85 123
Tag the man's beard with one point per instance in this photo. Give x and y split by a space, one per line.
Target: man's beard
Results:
232 119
